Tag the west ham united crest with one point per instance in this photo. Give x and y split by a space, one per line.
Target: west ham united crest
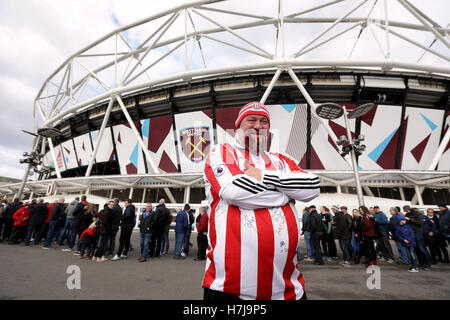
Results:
195 143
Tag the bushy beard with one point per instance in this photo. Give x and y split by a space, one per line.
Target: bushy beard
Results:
255 140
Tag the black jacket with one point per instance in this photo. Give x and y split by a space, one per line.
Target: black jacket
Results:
107 218
342 226
147 225
38 214
58 213
117 216
163 217
315 222
11 209
415 221
128 217
78 213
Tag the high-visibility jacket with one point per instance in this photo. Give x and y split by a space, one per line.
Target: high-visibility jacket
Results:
253 225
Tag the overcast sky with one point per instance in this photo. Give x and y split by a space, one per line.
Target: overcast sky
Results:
37 36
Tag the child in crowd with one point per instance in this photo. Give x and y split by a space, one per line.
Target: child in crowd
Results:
406 236
88 238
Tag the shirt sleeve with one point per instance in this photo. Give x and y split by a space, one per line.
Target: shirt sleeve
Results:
231 184
293 181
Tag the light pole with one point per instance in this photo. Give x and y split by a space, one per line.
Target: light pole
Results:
331 111
34 158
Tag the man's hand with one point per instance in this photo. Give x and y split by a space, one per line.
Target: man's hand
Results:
252 171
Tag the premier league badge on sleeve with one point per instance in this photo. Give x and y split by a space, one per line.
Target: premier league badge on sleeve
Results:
220 170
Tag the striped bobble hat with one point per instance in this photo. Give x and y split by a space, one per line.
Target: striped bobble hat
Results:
254 108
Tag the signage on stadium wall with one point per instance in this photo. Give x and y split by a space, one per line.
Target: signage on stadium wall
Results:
195 143
51 189
59 160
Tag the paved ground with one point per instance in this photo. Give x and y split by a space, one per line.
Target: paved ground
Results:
34 273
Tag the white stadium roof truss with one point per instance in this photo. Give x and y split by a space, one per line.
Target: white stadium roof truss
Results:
119 64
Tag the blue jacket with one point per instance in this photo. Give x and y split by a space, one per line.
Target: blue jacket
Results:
428 226
381 221
444 222
306 222
404 232
182 222
393 223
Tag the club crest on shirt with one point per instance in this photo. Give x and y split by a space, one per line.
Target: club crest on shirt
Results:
195 143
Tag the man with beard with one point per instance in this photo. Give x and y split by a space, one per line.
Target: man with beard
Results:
253 224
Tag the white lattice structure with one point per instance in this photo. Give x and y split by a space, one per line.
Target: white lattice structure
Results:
173 48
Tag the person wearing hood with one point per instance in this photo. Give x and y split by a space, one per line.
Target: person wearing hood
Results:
126 230
405 235
20 224
38 214
66 232
75 209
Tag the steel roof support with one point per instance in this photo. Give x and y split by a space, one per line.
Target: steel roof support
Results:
295 55
313 105
419 16
440 151
100 136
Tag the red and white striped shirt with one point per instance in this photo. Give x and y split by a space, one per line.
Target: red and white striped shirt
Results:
253 226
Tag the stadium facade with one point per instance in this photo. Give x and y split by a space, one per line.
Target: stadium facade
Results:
123 131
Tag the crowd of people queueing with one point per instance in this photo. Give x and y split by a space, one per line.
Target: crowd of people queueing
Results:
421 239
91 234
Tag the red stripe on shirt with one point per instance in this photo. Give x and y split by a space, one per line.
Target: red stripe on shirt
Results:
289 267
232 283
268 162
230 161
266 249
210 175
292 165
210 274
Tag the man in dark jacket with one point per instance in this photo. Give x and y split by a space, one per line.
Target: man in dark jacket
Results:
316 233
342 229
146 222
441 244
8 218
38 214
56 220
187 237
415 221
105 231
162 217
117 217
165 235
429 234
444 221
126 230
